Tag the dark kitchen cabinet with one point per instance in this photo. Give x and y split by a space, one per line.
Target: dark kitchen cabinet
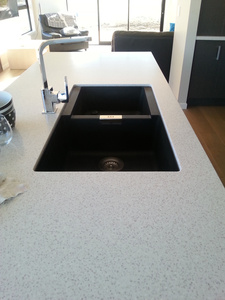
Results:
207 82
212 18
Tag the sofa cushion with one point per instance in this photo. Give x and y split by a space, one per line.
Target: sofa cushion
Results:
54 21
57 20
69 31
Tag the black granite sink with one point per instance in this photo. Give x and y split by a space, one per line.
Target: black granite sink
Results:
108 129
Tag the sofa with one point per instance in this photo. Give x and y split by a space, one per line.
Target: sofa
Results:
56 26
159 43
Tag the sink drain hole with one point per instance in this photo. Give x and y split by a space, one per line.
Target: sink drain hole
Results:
111 164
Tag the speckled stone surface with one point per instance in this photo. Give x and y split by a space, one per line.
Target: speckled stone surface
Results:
125 235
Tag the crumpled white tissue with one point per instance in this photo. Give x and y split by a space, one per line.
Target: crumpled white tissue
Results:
10 188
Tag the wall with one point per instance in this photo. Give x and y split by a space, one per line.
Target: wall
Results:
9 30
170 14
49 6
10 34
183 48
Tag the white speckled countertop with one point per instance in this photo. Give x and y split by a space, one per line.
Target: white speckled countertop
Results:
126 235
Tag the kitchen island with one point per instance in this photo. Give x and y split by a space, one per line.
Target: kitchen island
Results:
109 235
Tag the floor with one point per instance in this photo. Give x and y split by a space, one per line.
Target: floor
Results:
208 122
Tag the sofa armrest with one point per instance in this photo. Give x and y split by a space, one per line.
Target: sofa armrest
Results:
51 35
84 32
55 35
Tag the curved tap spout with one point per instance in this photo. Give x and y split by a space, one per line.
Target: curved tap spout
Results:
48 96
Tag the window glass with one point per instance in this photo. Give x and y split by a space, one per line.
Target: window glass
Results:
113 16
103 17
145 15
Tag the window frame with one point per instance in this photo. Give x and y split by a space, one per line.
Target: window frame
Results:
26 7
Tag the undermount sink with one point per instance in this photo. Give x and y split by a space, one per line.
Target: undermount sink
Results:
108 128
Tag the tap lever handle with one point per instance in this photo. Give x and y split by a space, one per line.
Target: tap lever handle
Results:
64 96
66 89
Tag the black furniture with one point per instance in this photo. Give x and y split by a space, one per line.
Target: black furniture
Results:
207 82
212 18
55 25
159 43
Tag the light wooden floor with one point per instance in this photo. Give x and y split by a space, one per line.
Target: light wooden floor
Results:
208 123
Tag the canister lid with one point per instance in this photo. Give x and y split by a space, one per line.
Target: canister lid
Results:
5 99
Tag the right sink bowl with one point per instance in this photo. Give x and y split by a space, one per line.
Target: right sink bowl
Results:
109 128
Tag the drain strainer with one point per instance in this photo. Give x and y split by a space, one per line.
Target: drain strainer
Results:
111 164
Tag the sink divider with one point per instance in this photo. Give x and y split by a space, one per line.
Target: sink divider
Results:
111 117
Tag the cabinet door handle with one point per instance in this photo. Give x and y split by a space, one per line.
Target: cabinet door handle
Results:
218 53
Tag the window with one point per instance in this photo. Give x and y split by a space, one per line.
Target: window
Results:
24 16
103 17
